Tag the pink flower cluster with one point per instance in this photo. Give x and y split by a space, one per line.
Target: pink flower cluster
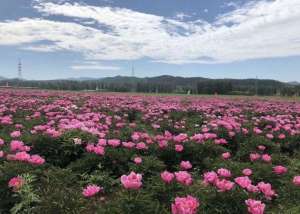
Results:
255 207
185 205
25 157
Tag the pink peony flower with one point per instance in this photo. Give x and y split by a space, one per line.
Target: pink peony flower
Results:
128 145
210 177
184 178
224 173
185 165
296 181
185 205
254 156
163 144
114 142
1 154
15 134
252 188
102 142
91 190
132 181
261 147
224 185
1 142
99 150
255 207
178 148
141 146
167 177
36 160
257 131
138 160
16 183
279 170
266 189
282 136
243 182
226 155
22 156
270 136
90 147
17 145
266 158
247 172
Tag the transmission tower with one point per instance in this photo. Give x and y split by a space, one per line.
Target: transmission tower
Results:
20 76
132 71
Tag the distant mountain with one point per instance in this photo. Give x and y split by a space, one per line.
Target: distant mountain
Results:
294 83
187 81
2 78
82 78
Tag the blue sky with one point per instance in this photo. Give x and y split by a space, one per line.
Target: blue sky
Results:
99 38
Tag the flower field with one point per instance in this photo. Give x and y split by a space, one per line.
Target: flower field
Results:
64 152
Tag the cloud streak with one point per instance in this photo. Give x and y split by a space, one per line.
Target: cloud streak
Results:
260 29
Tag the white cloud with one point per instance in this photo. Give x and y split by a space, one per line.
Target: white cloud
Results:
94 67
260 29
232 4
182 16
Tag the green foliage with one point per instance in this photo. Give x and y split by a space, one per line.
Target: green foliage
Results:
28 196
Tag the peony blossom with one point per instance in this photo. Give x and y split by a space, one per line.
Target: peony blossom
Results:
22 156
178 148
114 142
36 160
247 172
255 207
261 147
16 183
254 156
99 150
224 185
184 178
224 173
243 182
226 155
132 181
167 177
185 165
266 189
138 160
266 158
185 205
15 134
252 188
210 177
91 190
1 142
279 170
296 181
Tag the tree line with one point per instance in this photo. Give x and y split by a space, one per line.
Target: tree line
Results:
166 84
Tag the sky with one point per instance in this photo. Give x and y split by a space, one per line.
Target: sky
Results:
241 39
